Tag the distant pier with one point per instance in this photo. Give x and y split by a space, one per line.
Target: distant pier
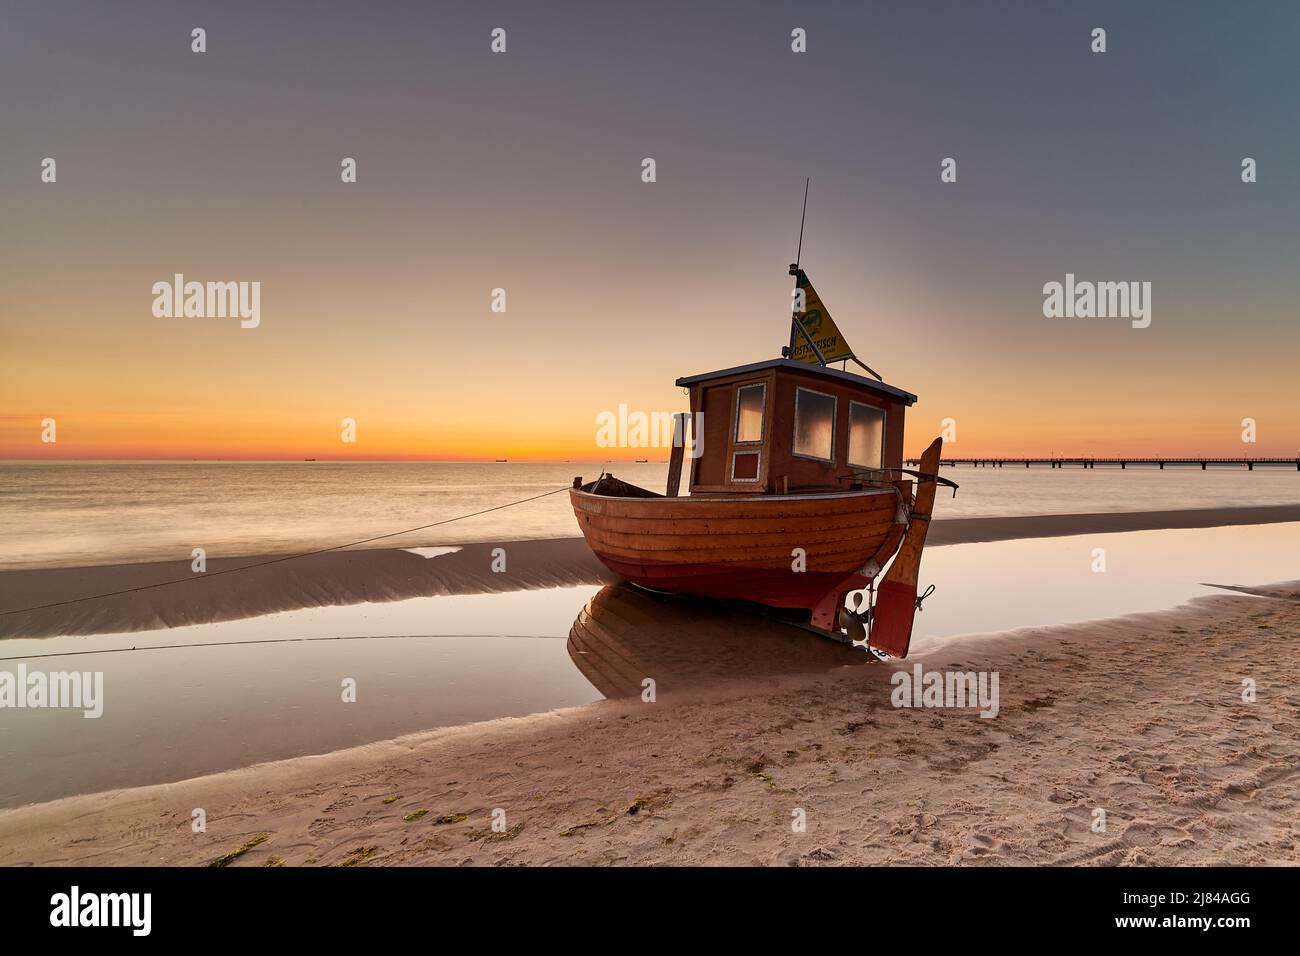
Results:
1249 463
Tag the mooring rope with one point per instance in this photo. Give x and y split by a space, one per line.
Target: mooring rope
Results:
277 640
287 557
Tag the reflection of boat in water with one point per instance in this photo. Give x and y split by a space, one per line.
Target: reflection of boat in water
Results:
798 495
625 635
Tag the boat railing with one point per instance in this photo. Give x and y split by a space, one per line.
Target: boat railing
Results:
884 477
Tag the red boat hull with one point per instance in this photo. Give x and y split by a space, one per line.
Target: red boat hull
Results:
785 551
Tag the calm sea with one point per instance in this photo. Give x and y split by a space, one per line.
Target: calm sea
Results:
87 513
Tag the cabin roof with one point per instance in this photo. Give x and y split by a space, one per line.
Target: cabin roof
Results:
907 398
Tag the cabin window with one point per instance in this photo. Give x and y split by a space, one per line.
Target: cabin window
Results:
866 435
814 424
744 466
750 400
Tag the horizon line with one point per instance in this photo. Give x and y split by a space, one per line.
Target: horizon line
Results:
967 457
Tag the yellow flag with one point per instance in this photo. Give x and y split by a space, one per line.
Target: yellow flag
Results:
820 326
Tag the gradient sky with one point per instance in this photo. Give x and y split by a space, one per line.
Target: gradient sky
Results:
522 171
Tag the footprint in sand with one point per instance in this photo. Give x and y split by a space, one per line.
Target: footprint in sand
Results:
1089 856
984 846
1144 833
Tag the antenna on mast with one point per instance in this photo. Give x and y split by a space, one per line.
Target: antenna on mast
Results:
798 256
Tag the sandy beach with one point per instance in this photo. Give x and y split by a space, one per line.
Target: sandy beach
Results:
1141 717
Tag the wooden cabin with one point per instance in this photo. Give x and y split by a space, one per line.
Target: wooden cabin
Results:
783 427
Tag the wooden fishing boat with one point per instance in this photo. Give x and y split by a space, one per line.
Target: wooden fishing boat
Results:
798 497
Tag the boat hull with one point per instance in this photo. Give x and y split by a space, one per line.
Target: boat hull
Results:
744 548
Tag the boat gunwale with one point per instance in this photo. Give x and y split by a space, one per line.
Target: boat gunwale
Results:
746 498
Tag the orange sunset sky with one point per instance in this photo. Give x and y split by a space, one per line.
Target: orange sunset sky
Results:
523 171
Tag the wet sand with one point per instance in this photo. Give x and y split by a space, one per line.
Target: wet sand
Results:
1140 716
352 577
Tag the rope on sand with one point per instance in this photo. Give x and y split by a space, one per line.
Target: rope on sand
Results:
287 557
282 640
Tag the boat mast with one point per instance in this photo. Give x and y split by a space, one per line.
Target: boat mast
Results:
796 327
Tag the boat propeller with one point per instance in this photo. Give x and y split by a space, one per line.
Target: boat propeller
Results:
855 622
